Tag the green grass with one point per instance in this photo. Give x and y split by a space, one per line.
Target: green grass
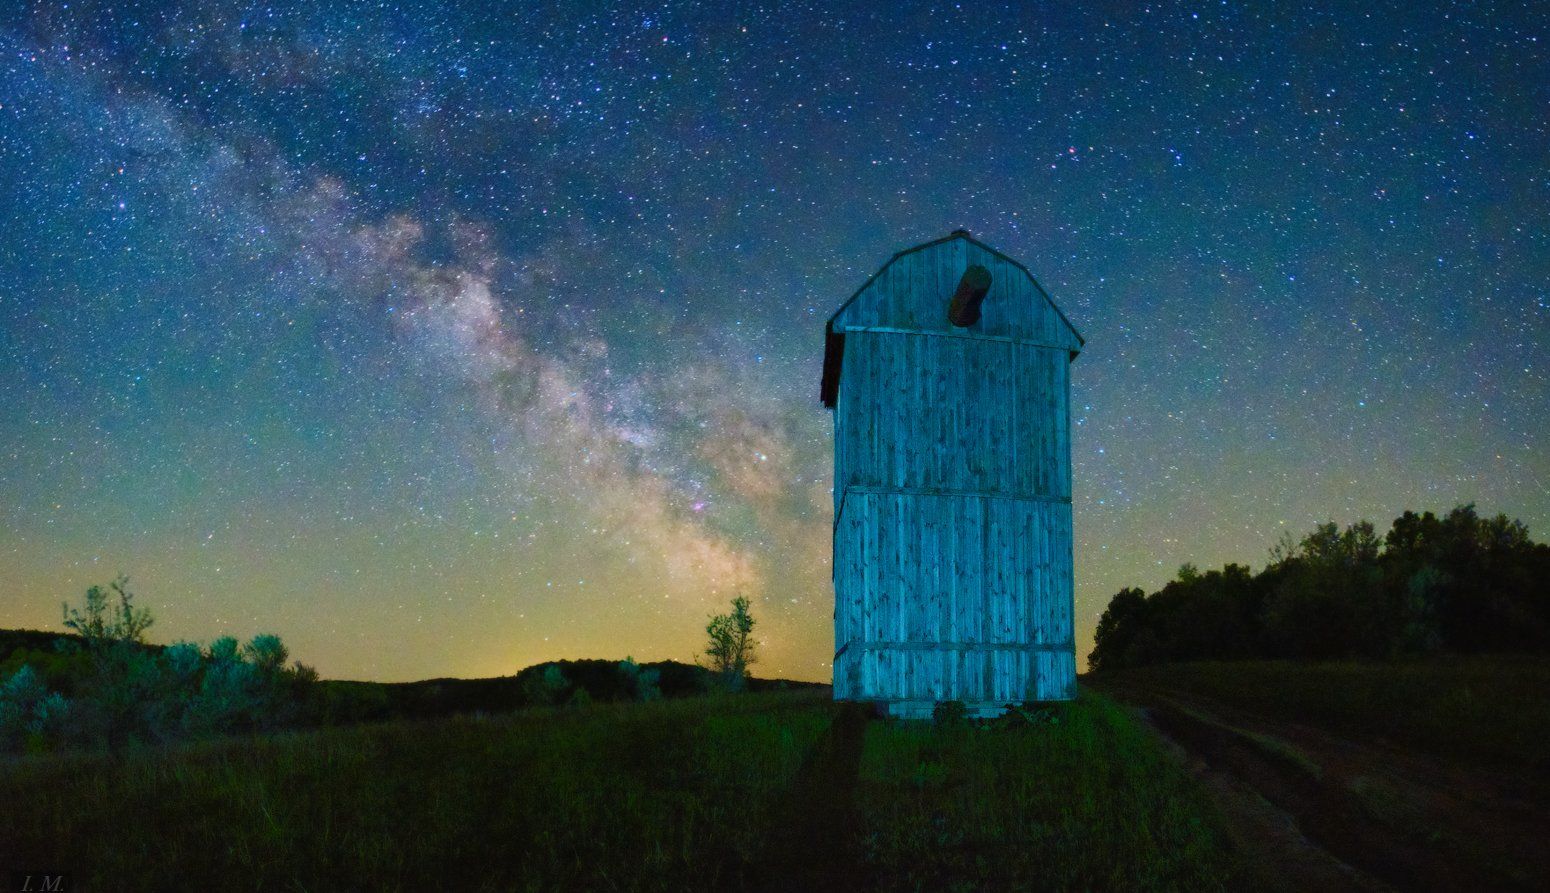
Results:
671 795
1093 802
1486 709
655 796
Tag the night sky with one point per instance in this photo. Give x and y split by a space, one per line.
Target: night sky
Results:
443 342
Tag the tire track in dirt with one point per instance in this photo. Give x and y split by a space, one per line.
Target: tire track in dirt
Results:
1373 816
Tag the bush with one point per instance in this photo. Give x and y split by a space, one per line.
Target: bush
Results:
31 716
546 687
643 684
950 714
125 692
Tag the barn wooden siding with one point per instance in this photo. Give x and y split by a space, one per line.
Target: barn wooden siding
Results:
952 535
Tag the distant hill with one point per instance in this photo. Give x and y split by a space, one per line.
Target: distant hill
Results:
602 680
12 640
347 700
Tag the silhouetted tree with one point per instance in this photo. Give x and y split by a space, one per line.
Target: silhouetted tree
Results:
730 647
102 620
1115 638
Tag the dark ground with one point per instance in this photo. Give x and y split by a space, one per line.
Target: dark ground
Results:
1312 777
816 845
1313 809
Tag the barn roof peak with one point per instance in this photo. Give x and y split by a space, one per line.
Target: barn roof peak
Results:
835 339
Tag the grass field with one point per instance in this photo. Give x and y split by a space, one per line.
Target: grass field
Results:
1091 802
1486 710
630 797
690 794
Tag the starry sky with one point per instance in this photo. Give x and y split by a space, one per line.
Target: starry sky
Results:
442 341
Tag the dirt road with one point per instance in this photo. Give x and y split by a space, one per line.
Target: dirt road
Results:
1315 810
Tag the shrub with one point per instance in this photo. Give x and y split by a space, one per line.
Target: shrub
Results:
126 691
641 683
30 714
547 687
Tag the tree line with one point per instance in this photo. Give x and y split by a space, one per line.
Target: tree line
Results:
1457 584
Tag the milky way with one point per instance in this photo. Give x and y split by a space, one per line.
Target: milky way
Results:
444 341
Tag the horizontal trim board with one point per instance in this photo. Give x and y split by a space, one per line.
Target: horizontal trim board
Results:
923 491
1068 645
890 330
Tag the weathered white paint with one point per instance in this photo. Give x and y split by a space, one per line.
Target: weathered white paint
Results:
952 451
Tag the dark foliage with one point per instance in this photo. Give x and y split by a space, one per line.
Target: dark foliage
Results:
13 641
730 647
104 686
602 680
131 692
1453 584
706 793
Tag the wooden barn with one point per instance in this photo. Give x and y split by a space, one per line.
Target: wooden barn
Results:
949 376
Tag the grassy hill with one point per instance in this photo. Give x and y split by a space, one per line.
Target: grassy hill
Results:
599 679
1278 775
719 792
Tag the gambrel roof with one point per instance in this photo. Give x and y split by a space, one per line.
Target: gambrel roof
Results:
910 293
